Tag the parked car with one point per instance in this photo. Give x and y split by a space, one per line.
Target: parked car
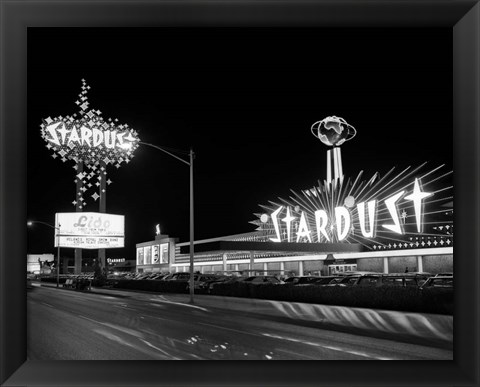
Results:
445 274
392 279
301 280
263 279
444 282
228 280
201 281
327 280
354 272
159 276
348 280
180 276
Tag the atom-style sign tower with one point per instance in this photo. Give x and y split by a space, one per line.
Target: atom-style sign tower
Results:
333 131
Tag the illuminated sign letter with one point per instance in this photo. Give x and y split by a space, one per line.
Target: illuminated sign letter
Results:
390 203
321 220
288 220
120 138
303 230
52 130
110 138
97 137
371 218
342 216
86 135
417 196
275 224
74 136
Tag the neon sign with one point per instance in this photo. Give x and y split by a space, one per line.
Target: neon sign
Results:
341 225
376 211
90 138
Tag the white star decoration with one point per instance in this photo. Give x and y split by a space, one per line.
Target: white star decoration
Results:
417 196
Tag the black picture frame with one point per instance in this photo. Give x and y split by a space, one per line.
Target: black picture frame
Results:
463 17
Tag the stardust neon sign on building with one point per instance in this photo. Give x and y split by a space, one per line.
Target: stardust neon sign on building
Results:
339 228
411 208
325 215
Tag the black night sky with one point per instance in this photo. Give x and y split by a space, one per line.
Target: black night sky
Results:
245 100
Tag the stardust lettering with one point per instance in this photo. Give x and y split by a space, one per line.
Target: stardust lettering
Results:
61 135
341 225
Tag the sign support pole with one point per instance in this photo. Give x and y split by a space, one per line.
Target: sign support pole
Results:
103 207
78 208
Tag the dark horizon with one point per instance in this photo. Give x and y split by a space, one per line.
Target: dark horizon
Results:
244 100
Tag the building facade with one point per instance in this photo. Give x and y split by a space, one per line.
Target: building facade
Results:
252 253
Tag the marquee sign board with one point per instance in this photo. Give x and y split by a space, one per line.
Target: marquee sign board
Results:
89 230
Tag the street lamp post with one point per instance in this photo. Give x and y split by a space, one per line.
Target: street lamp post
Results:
190 164
30 222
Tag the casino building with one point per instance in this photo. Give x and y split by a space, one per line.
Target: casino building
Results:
400 221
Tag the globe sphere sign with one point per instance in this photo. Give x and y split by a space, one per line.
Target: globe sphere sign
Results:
333 131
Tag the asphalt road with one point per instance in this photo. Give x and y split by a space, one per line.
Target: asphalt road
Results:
120 325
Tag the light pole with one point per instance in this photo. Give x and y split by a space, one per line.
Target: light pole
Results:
30 223
190 164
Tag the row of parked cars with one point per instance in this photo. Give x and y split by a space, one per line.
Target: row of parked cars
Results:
204 283
372 279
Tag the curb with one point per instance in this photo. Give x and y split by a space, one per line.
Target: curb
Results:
421 325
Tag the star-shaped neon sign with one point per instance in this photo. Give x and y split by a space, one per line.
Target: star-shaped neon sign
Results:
417 196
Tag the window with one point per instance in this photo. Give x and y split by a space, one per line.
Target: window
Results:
164 253
139 255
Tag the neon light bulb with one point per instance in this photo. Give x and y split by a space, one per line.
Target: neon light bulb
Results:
288 220
321 220
371 217
392 208
342 215
303 230
275 224
417 196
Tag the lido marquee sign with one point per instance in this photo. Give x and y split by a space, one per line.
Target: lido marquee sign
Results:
345 220
89 230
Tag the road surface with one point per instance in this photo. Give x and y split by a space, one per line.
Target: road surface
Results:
121 325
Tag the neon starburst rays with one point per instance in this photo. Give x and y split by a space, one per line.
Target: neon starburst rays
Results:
396 211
